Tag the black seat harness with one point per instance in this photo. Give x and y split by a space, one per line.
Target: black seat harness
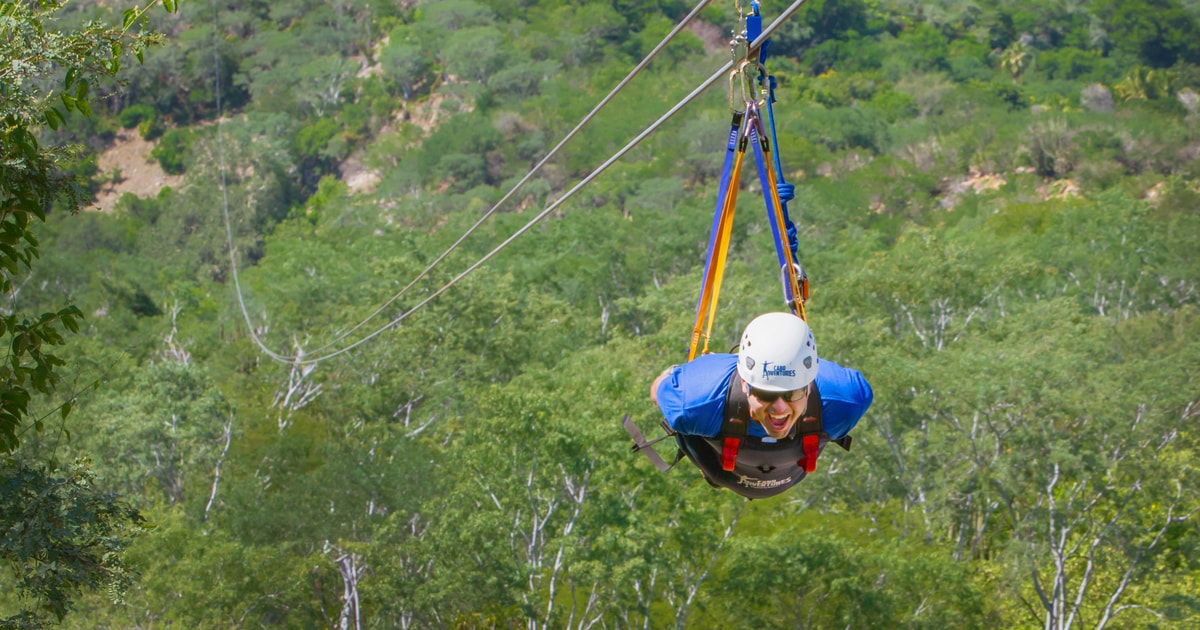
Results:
734 426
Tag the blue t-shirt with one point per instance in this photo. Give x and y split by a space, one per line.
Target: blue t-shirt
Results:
692 397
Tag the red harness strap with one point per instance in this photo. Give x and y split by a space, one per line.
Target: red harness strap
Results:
811 444
733 428
729 453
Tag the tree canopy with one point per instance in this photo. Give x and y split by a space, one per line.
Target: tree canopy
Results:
996 206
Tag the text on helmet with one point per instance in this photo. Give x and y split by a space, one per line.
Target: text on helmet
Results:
776 370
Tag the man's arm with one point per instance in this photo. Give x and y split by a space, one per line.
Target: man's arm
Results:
845 397
691 396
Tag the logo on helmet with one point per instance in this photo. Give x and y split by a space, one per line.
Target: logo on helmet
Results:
778 370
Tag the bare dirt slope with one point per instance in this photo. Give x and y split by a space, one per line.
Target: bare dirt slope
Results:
140 174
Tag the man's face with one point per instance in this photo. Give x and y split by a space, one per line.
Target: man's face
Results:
776 413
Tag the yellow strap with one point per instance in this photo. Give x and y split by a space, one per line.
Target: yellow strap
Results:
722 255
715 273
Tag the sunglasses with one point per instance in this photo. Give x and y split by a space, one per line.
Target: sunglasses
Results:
770 397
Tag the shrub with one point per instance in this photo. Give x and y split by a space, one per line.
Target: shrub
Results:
894 105
846 128
927 90
969 61
135 115
313 140
150 128
1009 94
1052 148
466 170
833 89
171 150
1069 63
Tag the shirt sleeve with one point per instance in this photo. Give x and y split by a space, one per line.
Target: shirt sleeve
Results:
692 396
845 397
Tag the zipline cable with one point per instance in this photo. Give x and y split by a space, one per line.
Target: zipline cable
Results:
533 171
532 222
536 168
225 198
600 169
301 359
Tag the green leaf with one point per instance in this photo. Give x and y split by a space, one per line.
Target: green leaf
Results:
72 75
68 101
81 90
53 118
39 426
66 410
84 107
130 16
170 6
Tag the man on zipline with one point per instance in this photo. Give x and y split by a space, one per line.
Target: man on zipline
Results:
757 429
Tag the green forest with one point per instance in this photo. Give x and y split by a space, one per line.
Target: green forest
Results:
324 378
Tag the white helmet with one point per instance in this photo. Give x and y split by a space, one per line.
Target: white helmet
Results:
777 353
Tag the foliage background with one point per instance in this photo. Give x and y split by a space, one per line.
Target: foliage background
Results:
997 204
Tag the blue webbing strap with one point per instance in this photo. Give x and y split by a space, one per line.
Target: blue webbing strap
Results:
786 191
781 251
794 291
730 151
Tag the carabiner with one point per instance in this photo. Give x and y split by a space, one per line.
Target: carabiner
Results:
746 83
737 79
750 94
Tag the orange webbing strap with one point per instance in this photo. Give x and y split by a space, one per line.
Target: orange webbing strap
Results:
715 273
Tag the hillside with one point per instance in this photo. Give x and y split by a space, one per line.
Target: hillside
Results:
996 205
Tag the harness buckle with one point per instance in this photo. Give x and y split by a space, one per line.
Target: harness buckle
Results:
812 448
729 453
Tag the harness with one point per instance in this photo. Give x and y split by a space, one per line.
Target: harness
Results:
735 424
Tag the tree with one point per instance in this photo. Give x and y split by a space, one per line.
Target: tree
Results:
998 427
1016 59
406 62
827 570
62 534
1158 33
59 535
162 433
817 22
475 53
